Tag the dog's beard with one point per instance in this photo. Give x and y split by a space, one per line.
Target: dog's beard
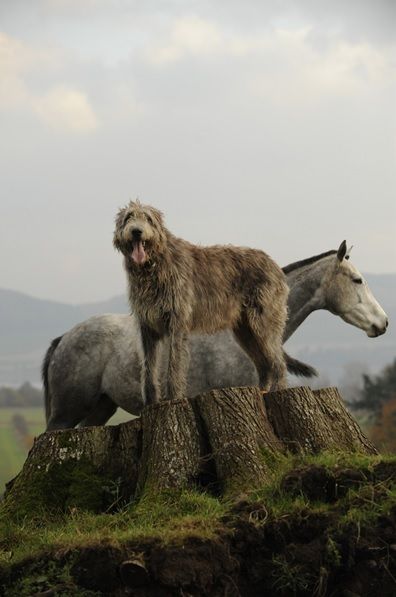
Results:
139 255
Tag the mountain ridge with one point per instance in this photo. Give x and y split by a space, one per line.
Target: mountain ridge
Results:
28 324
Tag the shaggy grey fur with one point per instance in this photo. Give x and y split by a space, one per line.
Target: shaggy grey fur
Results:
176 288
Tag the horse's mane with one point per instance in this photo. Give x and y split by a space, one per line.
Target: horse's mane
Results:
297 264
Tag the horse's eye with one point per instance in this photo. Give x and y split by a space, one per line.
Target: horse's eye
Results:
358 280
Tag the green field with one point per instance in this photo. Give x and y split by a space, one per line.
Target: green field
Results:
13 450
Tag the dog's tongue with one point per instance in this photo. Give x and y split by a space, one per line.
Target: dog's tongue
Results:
138 253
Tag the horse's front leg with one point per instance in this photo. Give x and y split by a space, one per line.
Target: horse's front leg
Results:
150 386
178 363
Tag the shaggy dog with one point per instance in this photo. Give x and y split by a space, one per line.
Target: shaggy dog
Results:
176 288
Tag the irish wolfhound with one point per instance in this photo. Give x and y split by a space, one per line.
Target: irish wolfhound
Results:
176 288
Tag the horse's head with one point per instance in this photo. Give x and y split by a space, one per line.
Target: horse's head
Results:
349 296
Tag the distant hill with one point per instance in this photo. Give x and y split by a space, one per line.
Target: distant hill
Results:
28 324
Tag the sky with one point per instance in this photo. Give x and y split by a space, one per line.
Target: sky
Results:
263 124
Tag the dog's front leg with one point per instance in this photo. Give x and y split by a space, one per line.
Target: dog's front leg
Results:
150 386
178 363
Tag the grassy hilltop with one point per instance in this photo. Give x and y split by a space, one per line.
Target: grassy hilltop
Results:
325 525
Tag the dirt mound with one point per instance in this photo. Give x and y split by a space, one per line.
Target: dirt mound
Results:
337 538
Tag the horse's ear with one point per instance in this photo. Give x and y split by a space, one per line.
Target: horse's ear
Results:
342 250
348 253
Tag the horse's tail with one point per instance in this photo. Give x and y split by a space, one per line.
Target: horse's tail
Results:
44 375
298 368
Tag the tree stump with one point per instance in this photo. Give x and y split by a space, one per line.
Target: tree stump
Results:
171 452
170 446
91 467
314 421
238 433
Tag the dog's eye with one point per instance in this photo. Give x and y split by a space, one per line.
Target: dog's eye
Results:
149 219
358 280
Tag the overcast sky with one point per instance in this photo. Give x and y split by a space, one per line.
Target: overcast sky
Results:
269 124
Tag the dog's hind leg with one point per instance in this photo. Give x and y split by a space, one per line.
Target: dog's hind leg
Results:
263 344
177 365
150 343
247 341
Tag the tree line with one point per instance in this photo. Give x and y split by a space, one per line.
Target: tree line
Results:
24 396
375 392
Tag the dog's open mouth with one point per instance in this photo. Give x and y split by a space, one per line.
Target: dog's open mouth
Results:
139 254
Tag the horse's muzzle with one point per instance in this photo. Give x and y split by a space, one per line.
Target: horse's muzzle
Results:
376 331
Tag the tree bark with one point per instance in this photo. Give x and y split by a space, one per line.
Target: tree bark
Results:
313 421
238 433
71 467
345 431
171 453
222 441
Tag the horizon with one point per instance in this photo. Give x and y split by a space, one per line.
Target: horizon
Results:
119 293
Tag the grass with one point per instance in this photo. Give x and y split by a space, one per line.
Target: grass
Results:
281 503
170 517
12 450
173 515
336 459
12 455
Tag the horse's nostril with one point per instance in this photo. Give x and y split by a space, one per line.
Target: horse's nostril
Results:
377 331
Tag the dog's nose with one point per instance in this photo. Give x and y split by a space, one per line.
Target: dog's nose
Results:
137 233
386 323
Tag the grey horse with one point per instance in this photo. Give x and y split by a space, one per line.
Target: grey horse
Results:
95 367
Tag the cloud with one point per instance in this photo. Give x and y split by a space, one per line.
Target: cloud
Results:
282 64
15 59
62 107
66 109
16 56
302 73
189 36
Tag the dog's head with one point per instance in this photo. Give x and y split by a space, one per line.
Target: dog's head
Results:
139 232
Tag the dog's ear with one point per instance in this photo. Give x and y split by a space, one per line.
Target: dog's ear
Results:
119 225
157 215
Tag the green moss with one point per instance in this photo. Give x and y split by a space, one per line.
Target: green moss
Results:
73 484
65 438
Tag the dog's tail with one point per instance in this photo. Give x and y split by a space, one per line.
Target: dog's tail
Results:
296 367
44 375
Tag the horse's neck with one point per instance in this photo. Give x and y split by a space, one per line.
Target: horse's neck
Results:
305 294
